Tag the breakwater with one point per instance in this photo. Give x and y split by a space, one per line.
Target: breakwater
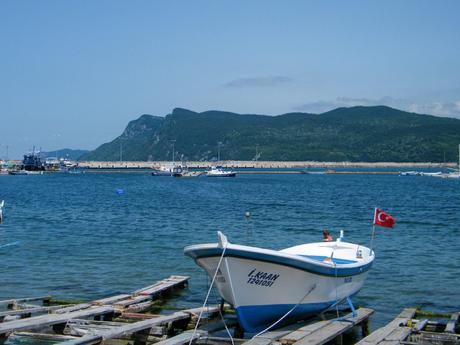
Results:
260 164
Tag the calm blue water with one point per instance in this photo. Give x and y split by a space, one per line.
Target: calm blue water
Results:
79 239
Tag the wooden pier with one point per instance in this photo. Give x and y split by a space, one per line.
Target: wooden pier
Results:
126 319
64 320
406 330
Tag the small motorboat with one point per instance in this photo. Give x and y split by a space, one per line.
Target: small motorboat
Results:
409 173
268 287
218 171
163 171
25 172
179 171
452 175
434 174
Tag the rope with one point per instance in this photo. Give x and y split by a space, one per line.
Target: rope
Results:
207 295
226 328
285 315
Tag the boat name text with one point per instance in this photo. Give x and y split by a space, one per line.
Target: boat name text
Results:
262 278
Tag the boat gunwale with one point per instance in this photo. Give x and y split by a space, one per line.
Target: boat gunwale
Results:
200 251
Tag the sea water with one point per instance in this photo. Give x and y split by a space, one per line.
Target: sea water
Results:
76 236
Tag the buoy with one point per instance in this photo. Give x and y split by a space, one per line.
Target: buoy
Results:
247 214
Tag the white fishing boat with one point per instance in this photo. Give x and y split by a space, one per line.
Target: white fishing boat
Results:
268 287
218 171
454 175
432 174
25 172
163 170
410 173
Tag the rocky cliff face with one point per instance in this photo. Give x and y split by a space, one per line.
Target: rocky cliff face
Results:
367 134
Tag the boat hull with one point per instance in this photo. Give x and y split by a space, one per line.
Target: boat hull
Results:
264 288
230 174
161 173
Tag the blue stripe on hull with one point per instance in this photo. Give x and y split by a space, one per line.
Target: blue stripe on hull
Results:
255 318
313 267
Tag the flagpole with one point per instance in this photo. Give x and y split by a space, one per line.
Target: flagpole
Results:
373 231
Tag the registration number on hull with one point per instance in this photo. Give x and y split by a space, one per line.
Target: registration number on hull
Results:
261 278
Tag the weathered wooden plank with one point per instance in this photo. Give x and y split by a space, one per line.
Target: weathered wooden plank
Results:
380 334
398 334
183 338
110 300
35 310
162 285
138 316
127 329
133 300
72 308
42 336
450 327
206 310
138 307
26 299
213 340
323 331
302 332
326 333
407 313
81 327
51 319
269 337
95 323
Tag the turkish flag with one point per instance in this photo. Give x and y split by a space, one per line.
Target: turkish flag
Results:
383 219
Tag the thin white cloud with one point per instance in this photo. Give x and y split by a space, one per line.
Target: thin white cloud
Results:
259 81
446 109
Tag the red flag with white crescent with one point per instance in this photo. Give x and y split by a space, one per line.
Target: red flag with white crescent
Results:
383 219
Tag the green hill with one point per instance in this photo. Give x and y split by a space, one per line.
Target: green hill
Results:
368 134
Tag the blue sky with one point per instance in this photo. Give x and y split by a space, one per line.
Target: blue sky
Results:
73 73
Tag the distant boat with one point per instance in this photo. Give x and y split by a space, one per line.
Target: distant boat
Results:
410 173
218 171
182 171
32 162
3 168
266 286
163 171
179 171
25 172
452 175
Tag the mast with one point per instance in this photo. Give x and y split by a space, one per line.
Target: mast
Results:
173 142
218 152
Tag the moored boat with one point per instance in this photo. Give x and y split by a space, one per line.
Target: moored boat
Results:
24 172
179 171
163 171
218 171
268 287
